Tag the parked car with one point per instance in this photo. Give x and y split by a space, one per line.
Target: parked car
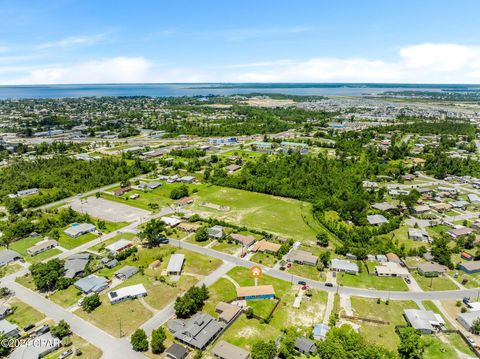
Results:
328 284
65 354
302 282
42 330
466 300
28 327
408 280
471 341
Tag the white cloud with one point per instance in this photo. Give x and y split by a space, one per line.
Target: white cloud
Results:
74 40
422 63
430 63
111 70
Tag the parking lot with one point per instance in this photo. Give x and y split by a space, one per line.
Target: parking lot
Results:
108 210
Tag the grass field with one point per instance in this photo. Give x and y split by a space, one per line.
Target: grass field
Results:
436 348
9 269
381 334
22 245
119 319
282 216
67 297
433 284
266 259
365 280
70 243
225 247
307 271
26 281
23 313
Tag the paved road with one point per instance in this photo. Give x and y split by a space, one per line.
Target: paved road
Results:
113 348
360 292
168 312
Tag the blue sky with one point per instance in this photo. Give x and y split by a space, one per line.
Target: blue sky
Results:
243 41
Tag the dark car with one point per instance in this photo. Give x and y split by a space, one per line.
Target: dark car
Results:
407 280
28 327
302 282
328 284
42 330
466 300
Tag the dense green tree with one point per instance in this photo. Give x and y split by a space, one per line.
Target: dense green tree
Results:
411 344
179 192
91 302
152 231
264 350
157 343
61 330
139 340
191 302
202 234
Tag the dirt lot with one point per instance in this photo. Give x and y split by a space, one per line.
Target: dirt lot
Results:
108 210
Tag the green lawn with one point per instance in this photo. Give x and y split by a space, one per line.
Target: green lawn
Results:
23 313
70 243
365 280
282 216
26 281
436 349
434 284
266 259
88 350
229 248
126 316
307 271
67 297
381 334
9 269
221 291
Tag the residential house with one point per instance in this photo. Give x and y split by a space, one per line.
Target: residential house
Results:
418 234
121 191
118 246
245 241
109 262
266 246
187 179
255 292
78 229
8 329
227 312
470 267
459 232
376 219
384 206
188 227
440 207
340 265
391 269
91 284
215 232
468 319
184 201
429 269
8 256
305 346
126 272
232 168
44 345
466 256
392 257
42 246
197 332
302 257
127 293
425 321
459 204
5 311
176 351
473 198
225 350
170 221
75 265
421 209
175 264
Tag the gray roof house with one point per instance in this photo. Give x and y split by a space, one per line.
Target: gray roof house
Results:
175 264
305 346
384 206
8 256
225 350
340 265
75 264
91 284
376 219
302 257
126 272
425 321
176 351
215 232
196 332
78 229
418 234
9 329
4 311
109 262
467 319
44 345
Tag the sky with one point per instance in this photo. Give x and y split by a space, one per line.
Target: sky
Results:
397 41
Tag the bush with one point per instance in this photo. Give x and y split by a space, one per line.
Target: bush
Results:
61 330
91 302
139 341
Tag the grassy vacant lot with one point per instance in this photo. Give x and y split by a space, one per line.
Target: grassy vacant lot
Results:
433 284
400 235
381 334
69 242
266 259
22 245
365 280
26 281
23 313
225 247
88 350
435 348
126 316
67 297
307 271
194 263
9 269
285 217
